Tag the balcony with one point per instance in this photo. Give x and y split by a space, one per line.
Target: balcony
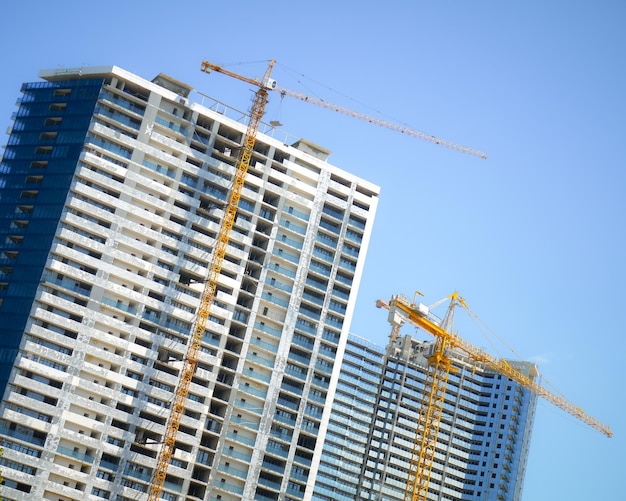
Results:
86 458
273 299
116 303
238 437
230 470
246 388
289 241
269 330
297 213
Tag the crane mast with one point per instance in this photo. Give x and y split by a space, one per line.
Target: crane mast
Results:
439 368
431 411
210 288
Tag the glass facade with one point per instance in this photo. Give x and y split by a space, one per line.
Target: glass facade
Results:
35 175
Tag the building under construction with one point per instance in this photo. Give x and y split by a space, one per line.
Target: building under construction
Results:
112 197
484 436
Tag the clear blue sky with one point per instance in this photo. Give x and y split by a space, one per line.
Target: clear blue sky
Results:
533 238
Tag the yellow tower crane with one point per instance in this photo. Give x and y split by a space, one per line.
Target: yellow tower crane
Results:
401 310
210 289
190 360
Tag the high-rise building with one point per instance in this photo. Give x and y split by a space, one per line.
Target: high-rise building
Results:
112 191
353 409
483 439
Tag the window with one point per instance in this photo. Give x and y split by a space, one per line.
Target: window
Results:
55 121
47 136
134 375
19 224
29 194
62 92
43 150
358 222
104 475
58 106
333 211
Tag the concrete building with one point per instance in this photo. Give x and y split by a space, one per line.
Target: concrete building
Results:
111 195
484 435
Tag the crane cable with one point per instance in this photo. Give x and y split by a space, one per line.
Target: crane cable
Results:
475 319
296 76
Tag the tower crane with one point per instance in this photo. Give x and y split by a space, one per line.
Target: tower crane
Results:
401 310
210 288
190 360
206 66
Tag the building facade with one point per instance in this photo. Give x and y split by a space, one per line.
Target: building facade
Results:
483 439
353 409
112 193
